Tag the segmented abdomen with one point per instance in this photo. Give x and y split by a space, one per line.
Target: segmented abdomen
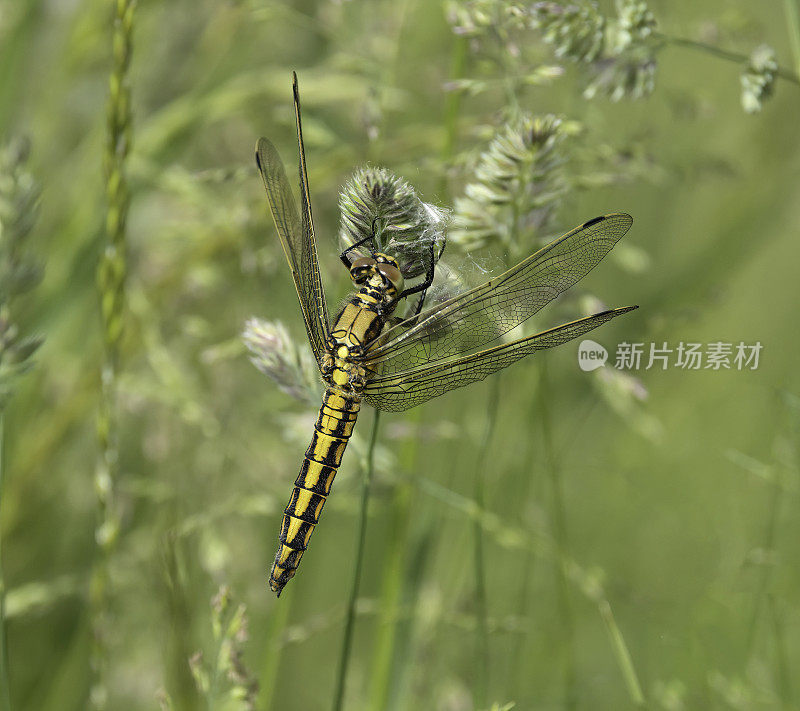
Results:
333 428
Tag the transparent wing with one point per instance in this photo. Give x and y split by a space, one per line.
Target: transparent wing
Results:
296 235
404 390
311 270
480 315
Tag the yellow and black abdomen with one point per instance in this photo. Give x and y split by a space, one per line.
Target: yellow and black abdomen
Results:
333 428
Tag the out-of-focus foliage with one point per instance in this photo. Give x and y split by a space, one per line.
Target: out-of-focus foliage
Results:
19 272
291 367
637 525
619 52
220 674
758 78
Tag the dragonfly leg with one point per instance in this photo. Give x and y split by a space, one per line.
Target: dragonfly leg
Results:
423 287
346 260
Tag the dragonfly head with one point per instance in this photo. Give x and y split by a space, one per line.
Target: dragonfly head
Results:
382 267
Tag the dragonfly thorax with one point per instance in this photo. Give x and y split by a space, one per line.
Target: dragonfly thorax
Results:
361 320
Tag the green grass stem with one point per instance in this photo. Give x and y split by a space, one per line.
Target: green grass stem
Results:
480 688
622 655
385 660
5 685
390 598
782 661
765 578
270 664
452 109
347 639
528 477
792 9
735 57
111 273
559 524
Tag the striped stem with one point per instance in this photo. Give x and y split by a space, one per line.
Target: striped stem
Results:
347 640
111 272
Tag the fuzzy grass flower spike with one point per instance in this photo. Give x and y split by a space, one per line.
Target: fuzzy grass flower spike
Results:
635 24
375 200
19 208
619 52
476 17
519 180
222 678
277 356
576 32
758 78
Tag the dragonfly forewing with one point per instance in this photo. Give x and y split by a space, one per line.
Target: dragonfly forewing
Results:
483 314
296 234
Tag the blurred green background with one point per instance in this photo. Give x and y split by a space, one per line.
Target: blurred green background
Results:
637 552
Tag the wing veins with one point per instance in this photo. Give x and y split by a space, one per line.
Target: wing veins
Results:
310 262
488 311
296 235
409 388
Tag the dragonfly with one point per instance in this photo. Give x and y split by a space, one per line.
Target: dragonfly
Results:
365 354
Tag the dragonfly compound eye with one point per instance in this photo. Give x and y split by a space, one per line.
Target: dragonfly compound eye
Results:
392 275
361 268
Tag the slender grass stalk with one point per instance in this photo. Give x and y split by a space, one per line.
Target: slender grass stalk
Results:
111 273
384 666
783 673
768 544
725 54
518 671
480 688
622 654
452 108
560 535
179 647
519 668
5 692
347 640
390 599
793 21
272 655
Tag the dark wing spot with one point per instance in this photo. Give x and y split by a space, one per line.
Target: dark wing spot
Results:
594 221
